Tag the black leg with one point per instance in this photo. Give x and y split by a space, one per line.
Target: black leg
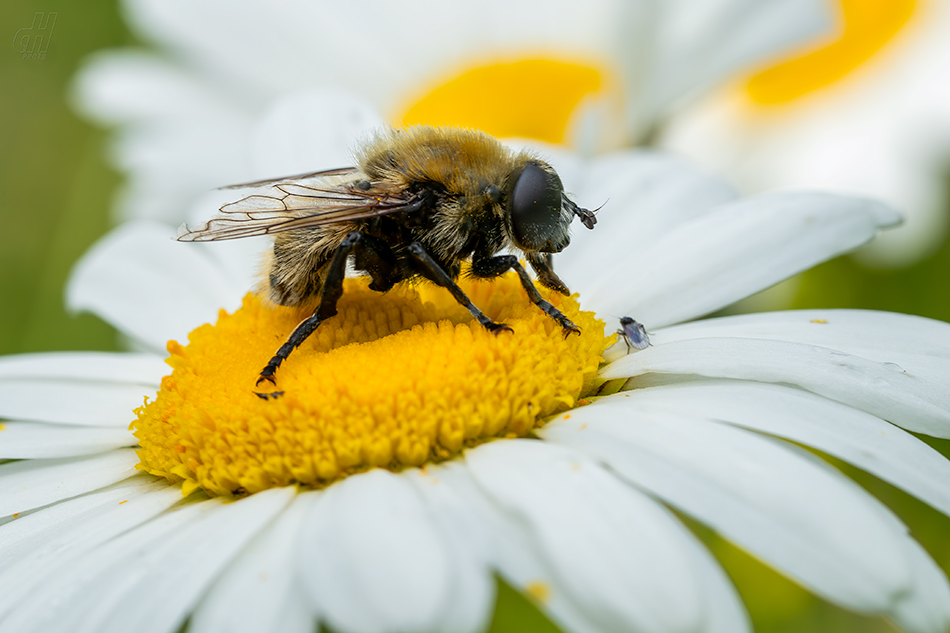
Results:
493 266
375 257
433 271
332 291
542 265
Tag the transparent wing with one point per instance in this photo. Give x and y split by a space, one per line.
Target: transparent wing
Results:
342 171
302 202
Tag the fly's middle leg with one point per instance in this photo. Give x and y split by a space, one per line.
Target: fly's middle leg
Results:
433 271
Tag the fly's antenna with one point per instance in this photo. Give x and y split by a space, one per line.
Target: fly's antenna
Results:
586 217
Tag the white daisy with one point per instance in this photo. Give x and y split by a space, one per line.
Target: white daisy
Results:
866 111
573 509
596 75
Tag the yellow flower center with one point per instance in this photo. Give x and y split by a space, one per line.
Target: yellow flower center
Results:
867 25
526 98
394 380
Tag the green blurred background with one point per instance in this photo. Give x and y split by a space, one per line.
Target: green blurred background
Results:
55 196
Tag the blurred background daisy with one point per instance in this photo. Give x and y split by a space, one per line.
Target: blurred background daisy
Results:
177 98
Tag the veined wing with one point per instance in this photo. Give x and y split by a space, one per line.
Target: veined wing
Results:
327 173
344 195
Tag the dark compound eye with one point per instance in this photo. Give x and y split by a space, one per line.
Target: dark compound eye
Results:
535 207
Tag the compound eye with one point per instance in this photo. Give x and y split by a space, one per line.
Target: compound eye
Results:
535 207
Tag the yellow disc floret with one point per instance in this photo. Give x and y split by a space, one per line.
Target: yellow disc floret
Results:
394 380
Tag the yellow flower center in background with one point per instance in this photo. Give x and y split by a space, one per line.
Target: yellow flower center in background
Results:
394 380
529 98
867 25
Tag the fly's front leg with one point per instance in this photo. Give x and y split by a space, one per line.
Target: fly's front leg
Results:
331 293
488 267
433 271
542 265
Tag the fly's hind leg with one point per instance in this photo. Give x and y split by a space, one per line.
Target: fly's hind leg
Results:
331 293
433 271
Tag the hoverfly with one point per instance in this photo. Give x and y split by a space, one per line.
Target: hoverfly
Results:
418 203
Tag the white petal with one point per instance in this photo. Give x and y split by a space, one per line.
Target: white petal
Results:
725 612
915 343
644 195
927 608
290 139
149 286
125 86
45 610
851 435
445 490
784 506
886 390
34 483
27 440
259 591
248 43
505 541
170 163
123 367
732 252
372 558
150 579
71 401
26 534
39 545
183 135
620 556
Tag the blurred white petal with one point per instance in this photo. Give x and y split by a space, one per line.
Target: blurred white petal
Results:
734 251
149 286
881 130
700 44
927 607
28 440
194 123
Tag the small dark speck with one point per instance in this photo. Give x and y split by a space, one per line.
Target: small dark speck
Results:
364 185
269 396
